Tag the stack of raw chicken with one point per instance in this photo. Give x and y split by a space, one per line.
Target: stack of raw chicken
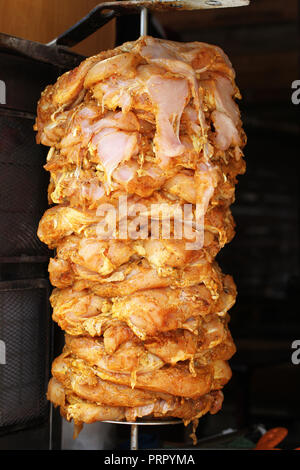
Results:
154 123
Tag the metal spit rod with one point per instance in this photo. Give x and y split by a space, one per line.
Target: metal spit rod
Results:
144 22
134 437
134 430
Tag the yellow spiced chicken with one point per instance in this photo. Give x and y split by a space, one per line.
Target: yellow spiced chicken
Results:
151 125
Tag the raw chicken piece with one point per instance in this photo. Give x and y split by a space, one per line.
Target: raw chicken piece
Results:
83 411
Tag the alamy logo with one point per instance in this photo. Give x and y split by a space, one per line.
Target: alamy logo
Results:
296 93
296 354
136 221
2 92
2 352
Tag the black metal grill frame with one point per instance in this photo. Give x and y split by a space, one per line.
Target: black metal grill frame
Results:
24 259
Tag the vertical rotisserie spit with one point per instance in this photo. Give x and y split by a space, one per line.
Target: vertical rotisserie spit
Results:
145 147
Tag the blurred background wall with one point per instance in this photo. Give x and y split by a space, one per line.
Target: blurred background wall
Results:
43 20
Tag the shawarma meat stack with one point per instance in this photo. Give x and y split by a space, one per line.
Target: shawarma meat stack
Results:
152 125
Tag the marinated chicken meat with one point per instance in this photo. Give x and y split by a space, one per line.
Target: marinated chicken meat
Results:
73 406
142 138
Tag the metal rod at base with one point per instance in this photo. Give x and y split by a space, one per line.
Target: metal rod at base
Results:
134 437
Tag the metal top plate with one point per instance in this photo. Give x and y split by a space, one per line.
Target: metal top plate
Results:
188 4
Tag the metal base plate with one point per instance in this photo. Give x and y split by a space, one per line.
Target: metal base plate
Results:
148 422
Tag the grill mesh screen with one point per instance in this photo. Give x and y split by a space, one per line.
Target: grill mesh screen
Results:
22 188
25 330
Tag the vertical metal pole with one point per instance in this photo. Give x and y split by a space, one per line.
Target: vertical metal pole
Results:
144 22
134 437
